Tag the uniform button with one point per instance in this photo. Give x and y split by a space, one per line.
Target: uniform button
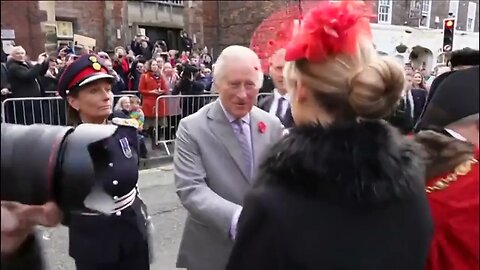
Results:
115 197
110 164
115 182
118 213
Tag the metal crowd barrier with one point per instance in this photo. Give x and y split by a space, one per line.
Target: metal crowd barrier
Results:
38 110
170 109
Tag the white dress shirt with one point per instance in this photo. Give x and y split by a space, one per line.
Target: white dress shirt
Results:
274 106
409 98
456 135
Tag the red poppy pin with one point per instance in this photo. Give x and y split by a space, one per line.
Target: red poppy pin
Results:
262 127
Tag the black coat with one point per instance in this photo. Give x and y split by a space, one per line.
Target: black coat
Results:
97 239
401 118
265 104
350 197
419 101
5 83
23 78
267 86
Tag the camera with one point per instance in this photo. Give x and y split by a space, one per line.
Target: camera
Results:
189 71
43 163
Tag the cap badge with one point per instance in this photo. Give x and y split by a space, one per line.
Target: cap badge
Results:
96 66
93 59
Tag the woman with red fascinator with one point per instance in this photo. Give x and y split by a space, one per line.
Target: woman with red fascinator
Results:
343 190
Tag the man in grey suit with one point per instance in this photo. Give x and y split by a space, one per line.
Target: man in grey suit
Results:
217 152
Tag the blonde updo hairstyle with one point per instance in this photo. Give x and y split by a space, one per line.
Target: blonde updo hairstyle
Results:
361 85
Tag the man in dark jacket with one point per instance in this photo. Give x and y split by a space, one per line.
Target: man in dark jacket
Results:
135 73
278 103
23 78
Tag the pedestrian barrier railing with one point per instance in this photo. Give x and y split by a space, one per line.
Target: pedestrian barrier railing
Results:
125 92
169 110
38 110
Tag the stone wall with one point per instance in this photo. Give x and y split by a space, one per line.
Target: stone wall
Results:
25 17
87 17
115 13
193 17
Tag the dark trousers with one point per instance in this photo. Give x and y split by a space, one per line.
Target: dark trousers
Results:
143 148
138 260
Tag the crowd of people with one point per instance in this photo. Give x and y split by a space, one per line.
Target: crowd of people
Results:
143 69
420 88
370 174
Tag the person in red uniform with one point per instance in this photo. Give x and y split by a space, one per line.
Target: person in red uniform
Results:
452 186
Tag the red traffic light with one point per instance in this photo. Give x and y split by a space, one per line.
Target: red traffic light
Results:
449 23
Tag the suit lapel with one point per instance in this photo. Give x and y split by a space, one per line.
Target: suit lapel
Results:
259 139
223 131
265 103
268 103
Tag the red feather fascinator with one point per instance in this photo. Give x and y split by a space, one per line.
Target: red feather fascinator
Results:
329 29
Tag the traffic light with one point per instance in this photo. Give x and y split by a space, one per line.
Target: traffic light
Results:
448 29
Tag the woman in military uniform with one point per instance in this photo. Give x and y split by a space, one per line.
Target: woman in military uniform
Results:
97 241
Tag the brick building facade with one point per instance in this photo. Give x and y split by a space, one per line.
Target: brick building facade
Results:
233 22
110 23
427 13
215 24
24 18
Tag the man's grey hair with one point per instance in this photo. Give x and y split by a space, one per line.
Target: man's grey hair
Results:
234 54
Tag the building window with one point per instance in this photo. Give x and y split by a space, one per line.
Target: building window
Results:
425 14
167 2
453 8
415 6
64 29
385 11
472 10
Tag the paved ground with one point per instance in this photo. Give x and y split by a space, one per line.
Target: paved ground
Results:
156 187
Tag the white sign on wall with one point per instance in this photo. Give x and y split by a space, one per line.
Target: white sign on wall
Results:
8 34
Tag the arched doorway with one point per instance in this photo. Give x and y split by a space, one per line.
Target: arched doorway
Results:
421 57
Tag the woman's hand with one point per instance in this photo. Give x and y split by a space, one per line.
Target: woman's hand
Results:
18 221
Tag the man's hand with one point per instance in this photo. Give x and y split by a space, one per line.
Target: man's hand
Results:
41 58
18 221
5 91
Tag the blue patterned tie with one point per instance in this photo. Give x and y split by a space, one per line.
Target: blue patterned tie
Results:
246 147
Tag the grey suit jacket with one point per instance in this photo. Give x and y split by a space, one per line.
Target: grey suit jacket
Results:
211 183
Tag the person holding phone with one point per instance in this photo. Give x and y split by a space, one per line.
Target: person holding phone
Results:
121 64
23 78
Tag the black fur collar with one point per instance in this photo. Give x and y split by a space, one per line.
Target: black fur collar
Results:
361 163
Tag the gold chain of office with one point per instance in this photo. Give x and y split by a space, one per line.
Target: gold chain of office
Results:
444 182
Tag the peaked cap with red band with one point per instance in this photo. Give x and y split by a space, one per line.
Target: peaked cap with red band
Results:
86 69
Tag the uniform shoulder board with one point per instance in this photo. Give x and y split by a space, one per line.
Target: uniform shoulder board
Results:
125 122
